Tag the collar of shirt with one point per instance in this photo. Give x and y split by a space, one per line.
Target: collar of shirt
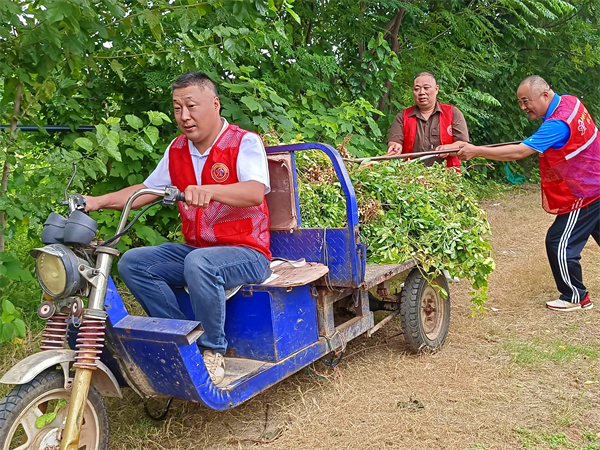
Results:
553 105
417 112
194 151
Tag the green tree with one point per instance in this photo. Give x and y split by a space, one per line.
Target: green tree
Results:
310 70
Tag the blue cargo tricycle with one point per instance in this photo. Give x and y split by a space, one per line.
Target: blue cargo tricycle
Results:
322 294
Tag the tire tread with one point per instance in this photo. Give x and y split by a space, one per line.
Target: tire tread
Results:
409 314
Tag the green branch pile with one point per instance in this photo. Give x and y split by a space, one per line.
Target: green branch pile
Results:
407 211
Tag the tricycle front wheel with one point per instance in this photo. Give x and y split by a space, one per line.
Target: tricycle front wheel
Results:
22 426
424 312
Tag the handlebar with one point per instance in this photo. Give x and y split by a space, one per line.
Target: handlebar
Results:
171 195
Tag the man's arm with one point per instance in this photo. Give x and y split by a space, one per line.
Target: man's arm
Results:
396 135
117 200
509 152
242 194
252 171
460 131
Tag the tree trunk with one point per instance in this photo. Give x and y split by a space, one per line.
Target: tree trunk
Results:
6 170
393 27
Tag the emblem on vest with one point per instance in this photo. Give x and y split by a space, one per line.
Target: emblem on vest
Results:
219 172
581 127
449 130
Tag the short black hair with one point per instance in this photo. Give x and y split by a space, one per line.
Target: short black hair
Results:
429 74
199 79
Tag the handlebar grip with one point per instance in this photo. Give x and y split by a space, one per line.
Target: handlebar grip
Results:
181 197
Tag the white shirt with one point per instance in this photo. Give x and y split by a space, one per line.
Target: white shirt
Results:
251 163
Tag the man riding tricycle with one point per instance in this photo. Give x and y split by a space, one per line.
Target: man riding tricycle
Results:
251 298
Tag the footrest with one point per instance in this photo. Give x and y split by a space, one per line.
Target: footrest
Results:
158 329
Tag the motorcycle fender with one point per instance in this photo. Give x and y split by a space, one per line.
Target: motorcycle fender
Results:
27 369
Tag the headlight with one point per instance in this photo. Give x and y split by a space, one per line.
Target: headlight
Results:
56 270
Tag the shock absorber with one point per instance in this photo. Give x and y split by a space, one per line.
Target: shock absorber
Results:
54 335
90 342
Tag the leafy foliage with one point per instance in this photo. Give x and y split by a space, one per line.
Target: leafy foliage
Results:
11 322
407 211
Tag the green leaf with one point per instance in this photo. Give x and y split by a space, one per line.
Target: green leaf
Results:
20 327
133 154
112 146
261 122
101 131
252 104
164 117
134 121
45 419
8 306
8 332
147 234
203 9
230 46
84 143
156 118
153 19
118 68
101 166
291 12
277 99
152 133
215 54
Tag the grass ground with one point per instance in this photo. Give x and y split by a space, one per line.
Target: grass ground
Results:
517 377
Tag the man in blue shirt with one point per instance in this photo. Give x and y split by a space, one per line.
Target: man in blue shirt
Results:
568 146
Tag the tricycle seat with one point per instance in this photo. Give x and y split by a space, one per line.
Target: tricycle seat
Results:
294 273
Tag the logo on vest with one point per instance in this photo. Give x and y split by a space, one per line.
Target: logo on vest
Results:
449 130
219 172
581 127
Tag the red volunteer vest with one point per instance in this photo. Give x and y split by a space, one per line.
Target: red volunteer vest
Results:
410 131
571 174
219 224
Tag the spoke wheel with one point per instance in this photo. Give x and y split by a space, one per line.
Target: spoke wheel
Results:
425 314
22 407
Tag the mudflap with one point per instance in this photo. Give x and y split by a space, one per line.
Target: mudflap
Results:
27 369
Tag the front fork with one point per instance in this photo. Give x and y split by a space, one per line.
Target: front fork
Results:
90 342
81 387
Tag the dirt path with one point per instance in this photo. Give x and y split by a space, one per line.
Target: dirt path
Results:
519 377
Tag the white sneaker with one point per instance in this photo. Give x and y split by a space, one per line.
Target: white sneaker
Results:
215 364
563 305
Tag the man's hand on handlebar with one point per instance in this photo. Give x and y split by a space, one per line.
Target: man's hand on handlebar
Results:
91 203
198 196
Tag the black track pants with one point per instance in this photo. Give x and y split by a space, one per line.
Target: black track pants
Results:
564 242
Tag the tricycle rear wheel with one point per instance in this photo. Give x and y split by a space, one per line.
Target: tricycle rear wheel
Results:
425 314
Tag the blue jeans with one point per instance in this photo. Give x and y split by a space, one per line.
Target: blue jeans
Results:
151 273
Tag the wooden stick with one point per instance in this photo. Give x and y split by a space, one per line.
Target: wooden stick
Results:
402 155
420 154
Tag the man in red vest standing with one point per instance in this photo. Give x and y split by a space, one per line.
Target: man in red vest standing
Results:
428 124
568 146
224 173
